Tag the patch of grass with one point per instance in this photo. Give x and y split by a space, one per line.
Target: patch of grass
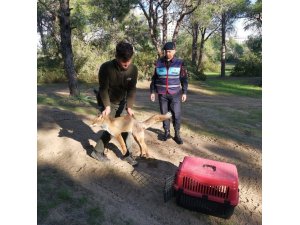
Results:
228 69
45 100
43 210
95 216
67 199
64 195
115 219
83 104
51 198
80 202
233 86
229 66
212 74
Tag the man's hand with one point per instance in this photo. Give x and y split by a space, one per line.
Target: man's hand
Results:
106 111
130 111
152 97
183 98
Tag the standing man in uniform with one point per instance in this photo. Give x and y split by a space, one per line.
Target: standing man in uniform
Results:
170 83
117 91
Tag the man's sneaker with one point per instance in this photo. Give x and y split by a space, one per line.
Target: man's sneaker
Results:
130 160
99 156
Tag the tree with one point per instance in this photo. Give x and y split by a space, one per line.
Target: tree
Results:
154 10
42 18
251 63
230 10
66 46
254 16
107 29
183 9
49 12
165 6
203 23
152 16
47 26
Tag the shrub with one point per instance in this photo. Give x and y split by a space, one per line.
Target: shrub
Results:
234 50
193 73
211 66
87 61
250 65
50 70
145 63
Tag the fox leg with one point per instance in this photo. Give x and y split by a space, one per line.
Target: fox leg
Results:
144 149
122 143
140 139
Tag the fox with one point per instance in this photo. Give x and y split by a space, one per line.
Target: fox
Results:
118 125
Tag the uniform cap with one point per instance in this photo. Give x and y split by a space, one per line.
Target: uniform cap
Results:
169 46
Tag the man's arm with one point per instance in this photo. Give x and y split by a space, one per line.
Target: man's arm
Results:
131 89
103 88
184 78
152 86
183 81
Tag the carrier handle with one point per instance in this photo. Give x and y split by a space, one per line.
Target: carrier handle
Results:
213 167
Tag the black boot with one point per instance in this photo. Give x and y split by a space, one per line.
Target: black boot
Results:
177 138
128 158
99 156
166 135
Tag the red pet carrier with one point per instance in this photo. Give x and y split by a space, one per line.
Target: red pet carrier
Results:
205 185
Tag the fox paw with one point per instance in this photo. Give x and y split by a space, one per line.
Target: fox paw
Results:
169 114
145 155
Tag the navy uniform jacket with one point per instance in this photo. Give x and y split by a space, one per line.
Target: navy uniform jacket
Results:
169 76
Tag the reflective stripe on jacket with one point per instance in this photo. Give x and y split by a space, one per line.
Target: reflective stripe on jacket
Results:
167 79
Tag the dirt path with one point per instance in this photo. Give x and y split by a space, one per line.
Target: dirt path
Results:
134 195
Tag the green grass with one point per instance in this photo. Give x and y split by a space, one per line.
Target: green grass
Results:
228 68
56 191
95 215
64 195
234 86
239 86
68 103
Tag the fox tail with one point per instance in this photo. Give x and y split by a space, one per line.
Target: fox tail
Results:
155 119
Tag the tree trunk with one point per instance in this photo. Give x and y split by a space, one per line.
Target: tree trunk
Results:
223 45
57 39
195 33
165 22
158 50
155 40
201 51
152 19
66 47
176 30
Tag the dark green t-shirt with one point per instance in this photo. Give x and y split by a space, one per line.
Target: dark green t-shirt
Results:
116 84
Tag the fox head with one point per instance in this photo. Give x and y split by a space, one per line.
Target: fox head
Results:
100 121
